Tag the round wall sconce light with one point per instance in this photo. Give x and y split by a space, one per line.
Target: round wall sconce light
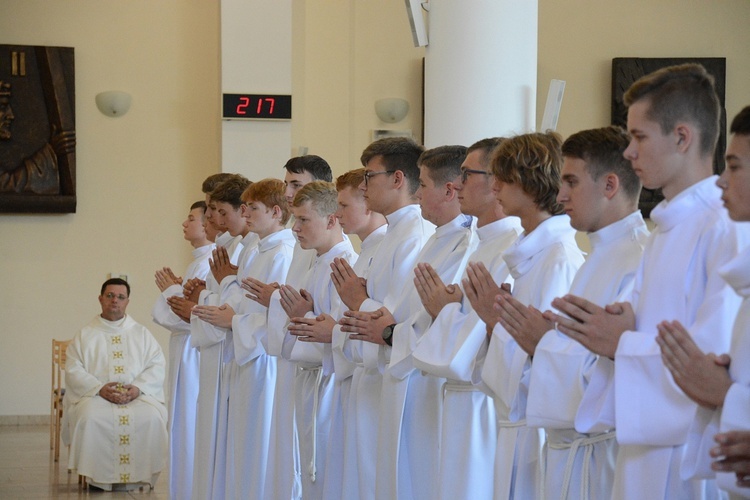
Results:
392 109
113 103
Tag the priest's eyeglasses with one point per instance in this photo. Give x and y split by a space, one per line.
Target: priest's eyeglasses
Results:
111 296
466 171
371 174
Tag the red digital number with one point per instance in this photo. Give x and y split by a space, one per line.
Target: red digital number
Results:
244 103
270 100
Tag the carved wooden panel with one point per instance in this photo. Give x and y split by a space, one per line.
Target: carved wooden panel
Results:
626 70
37 129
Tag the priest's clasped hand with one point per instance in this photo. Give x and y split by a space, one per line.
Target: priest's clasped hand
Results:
119 393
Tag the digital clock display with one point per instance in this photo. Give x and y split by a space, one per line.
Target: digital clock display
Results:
256 107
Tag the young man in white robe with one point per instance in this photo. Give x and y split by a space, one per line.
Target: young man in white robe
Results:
115 419
410 402
599 193
184 360
542 262
316 228
341 479
449 347
209 464
283 476
390 181
253 372
673 117
722 392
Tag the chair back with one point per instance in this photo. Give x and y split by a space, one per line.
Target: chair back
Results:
57 392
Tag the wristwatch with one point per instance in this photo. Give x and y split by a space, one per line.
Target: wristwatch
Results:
388 334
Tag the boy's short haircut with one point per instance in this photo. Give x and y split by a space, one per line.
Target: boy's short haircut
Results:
230 191
199 204
443 163
602 149
398 153
351 179
486 146
741 122
316 166
270 192
533 161
683 93
213 181
322 196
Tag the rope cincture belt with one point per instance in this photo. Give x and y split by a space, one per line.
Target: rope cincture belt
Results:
586 441
313 470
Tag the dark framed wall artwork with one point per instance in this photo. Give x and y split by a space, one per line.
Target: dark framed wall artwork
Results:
37 129
626 70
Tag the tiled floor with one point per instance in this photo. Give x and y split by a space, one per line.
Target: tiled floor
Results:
27 470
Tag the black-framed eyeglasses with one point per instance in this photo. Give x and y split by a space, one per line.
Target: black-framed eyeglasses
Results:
466 171
370 174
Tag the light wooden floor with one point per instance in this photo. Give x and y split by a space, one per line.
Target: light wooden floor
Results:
27 470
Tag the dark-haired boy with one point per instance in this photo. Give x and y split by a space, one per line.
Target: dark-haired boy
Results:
449 347
599 192
184 360
410 402
391 180
673 120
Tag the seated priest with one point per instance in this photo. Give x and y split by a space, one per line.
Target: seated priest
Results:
115 419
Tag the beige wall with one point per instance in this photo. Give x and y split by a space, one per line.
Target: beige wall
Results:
137 174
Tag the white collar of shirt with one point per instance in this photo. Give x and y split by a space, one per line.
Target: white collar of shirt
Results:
401 214
499 228
374 238
617 230
460 223
250 240
667 214
113 326
335 251
275 239
519 255
201 251
736 273
223 239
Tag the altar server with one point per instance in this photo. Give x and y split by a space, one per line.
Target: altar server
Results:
253 372
391 179
410 402
599 192
542 261
722 393
184 359
449 347
673 117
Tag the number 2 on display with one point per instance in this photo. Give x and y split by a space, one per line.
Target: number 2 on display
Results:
245 103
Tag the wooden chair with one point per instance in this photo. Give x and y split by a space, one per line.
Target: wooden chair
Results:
57 393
